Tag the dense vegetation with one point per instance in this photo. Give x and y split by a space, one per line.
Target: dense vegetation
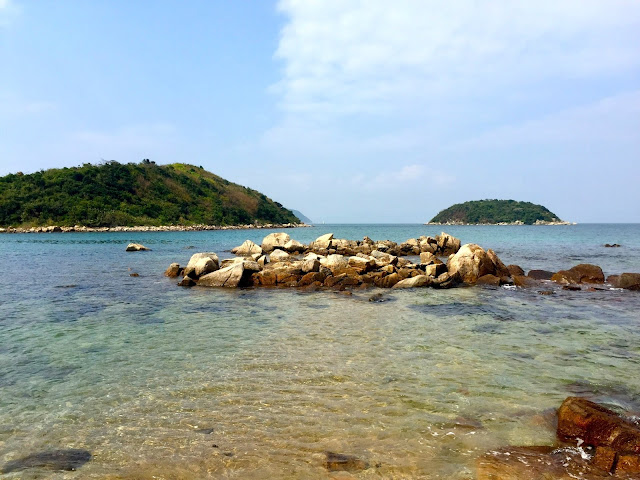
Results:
114 194
494 211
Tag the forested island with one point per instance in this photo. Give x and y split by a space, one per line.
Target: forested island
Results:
494 212
113 194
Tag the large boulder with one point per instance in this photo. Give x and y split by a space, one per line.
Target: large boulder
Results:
189 270
583 273
322 242
232 276
630 281
383 258
294 246
471 262
361 264
335 262
515 270
273 241
540 274
501 269
247 249
204 266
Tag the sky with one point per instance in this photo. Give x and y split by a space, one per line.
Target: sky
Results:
350 111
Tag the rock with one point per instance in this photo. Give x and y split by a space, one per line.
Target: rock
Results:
362 265
263 260
489 280
137 247
427 258
435 269
293 246
524 282
413 282
386 281
572 287
311 278
189 269
339 462
428 245
383 258
501 269
335 262
343 280
247 249
596 426
232 276
540 274
279 274
447 244
64 460
471 262
583 273
322 242
630 281
173 271
628 464
612 245
273 241
279 256
310 265
534 463
203 266
446 280
187 282
515 270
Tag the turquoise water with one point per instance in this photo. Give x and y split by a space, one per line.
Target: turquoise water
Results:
158 381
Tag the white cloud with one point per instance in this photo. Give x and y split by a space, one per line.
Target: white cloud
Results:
370 56
8 11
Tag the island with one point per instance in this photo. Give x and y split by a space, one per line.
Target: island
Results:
496 212
143 194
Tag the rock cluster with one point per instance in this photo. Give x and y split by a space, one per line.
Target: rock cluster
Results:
148 228
344 264
593 442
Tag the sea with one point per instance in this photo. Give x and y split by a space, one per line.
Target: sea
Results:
109 370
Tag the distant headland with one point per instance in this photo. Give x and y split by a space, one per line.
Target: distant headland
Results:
113 195
496 212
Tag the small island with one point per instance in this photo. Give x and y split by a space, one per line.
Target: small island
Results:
132 195
496 212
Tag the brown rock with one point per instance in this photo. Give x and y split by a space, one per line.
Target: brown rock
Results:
340 462
187 282
597 426
446 280
630 281
447 244
471 262
427 258
414 282
435 269
387 281
583 273
173 271
189 270
501 269
524 282
278 255
293 246
540 274
515 270
604 459
310 278
247 248
628 463
489 280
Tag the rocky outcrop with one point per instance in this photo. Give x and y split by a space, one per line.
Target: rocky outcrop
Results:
273 241
233 276
247 249
189 270
137 247
471 262
583 273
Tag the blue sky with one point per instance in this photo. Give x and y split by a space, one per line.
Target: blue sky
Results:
349 111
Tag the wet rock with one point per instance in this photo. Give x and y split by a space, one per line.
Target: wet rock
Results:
629 281
470 263
67 460
489 280
189 270
414 282
446 280
136 247
583 273
535 463
515 270
524 282
540 274
231 277
134 274
187 282
572 287
173 271
378 298
247 249
612 245
596 426
273 241
340 462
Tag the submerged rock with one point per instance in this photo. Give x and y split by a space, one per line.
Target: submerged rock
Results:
629 281
340 462
583 273
67 460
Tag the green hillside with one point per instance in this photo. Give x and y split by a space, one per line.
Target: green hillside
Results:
495 211
115 194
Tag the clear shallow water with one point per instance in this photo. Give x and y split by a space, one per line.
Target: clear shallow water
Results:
148 377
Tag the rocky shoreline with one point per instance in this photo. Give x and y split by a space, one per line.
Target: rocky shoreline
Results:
518 222
149 228
331 263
